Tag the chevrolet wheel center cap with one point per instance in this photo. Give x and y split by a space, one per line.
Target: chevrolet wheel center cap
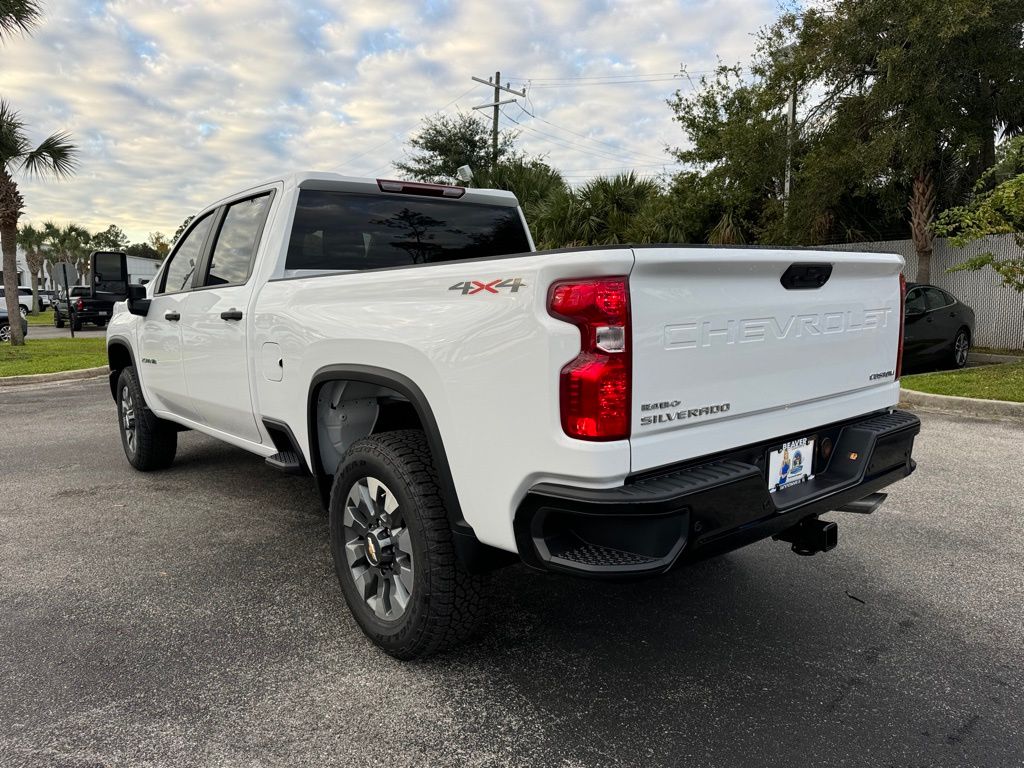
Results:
372 549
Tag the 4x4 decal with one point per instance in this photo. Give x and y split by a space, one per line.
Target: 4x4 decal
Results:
469 287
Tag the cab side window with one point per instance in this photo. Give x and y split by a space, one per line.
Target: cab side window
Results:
239 235
185 259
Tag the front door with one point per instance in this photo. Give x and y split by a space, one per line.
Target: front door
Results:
160 365
216 322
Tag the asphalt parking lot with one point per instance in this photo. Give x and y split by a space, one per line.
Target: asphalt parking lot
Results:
192 618
49 332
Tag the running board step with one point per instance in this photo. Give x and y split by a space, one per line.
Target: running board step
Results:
289 462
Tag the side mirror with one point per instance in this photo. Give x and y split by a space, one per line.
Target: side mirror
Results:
913 313
138 304
109 275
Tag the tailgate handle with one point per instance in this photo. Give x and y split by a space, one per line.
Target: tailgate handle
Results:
801 277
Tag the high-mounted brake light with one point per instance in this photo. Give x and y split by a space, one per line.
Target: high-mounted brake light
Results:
419 188
903 309
594 388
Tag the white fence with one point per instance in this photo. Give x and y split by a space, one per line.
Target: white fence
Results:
999 310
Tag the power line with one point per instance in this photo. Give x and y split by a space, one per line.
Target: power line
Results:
565 143
405 130
632 75
608 82
569 144
588 138
579 171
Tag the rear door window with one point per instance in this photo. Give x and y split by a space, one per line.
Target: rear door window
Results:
350 231
936 298
916 301
235 249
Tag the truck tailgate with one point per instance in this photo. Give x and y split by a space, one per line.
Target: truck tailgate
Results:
725 355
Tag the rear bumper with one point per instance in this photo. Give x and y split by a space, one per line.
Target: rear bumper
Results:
706 507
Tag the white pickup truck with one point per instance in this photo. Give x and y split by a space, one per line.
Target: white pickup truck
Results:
463 401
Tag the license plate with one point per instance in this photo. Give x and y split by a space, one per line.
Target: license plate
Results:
102 314
791 464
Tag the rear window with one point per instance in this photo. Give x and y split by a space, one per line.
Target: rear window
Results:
350 231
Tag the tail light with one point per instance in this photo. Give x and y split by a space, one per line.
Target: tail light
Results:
594 389
903 309
79 304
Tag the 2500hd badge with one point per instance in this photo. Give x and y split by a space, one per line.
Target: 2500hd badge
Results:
678 415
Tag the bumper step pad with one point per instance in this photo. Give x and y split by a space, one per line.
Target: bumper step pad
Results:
588 554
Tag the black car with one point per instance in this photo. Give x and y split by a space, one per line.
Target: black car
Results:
938 329
84 309
5 325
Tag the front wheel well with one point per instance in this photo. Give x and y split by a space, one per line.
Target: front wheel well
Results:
119 357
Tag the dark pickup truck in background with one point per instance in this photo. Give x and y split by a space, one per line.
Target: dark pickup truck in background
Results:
84 309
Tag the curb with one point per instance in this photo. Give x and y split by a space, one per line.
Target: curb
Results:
963 406
987 359
43 378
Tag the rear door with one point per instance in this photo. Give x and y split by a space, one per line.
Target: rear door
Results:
732 346
214 324
916 328
942 320
160 363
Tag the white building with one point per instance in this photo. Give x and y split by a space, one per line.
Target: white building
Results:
140 271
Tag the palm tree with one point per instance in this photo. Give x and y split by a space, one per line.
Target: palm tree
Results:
607 210
71 243
54 157
32 241
18 16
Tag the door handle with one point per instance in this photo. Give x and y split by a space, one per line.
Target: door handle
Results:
231 314
171 315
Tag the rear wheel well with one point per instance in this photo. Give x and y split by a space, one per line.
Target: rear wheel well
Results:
395 403
344 411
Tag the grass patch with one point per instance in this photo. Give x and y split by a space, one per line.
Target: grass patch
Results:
43 318
998 351
989 382
52 355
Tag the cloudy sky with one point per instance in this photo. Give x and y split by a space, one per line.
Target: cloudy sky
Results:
175 104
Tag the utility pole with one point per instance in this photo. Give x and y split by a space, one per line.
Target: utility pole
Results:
495 105
790 136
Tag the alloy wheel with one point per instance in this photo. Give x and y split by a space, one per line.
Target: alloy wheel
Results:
128 425
378 548
961 347
5 333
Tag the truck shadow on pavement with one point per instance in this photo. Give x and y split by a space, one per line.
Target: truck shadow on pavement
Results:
214 594
716 659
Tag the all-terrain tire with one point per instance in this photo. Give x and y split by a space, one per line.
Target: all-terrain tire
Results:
155 441
446 604
58 321
76 324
